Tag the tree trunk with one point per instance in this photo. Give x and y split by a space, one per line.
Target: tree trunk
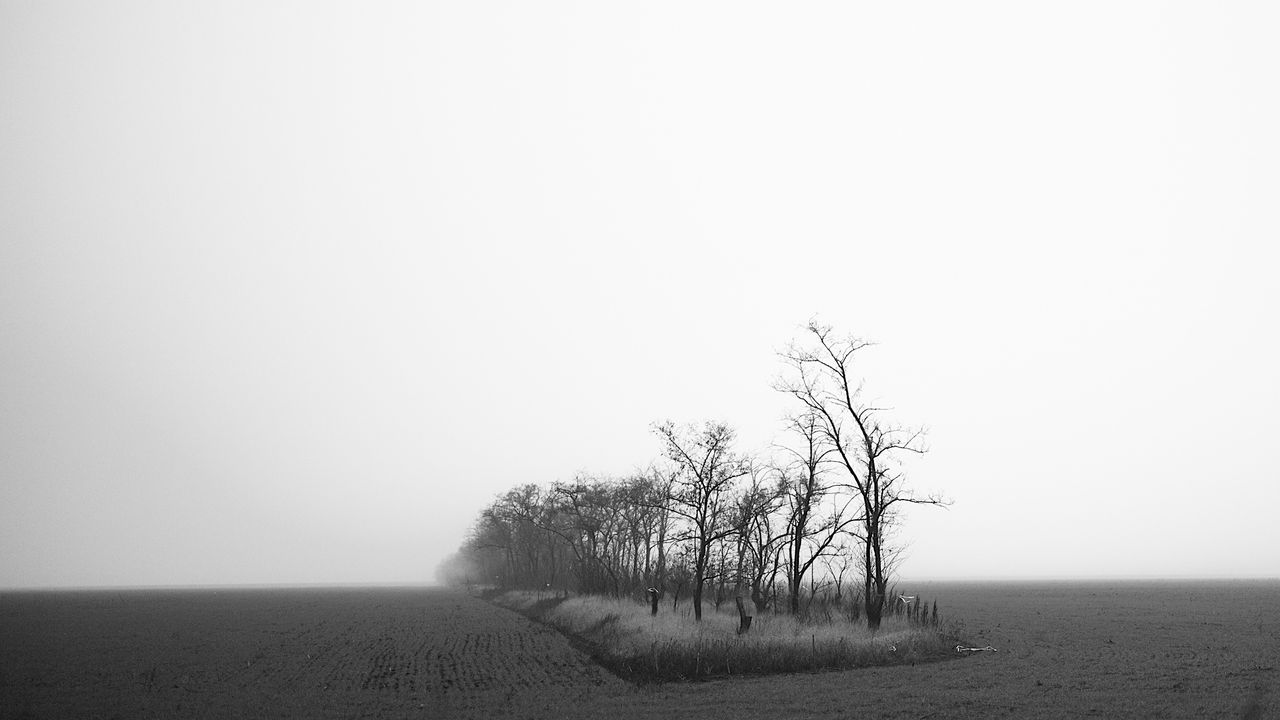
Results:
795 577
744 620
697 597
758 597
873 600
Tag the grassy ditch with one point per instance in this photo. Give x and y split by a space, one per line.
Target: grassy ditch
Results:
622 636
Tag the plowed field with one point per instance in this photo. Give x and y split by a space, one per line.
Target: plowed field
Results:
376 653
1107 650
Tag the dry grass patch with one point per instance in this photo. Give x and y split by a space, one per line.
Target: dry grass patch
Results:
623 636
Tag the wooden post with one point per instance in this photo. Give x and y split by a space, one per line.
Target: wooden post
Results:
653 601
744 620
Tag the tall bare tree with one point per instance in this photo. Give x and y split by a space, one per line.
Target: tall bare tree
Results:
865 446
758 539
819 509
657 498
700 491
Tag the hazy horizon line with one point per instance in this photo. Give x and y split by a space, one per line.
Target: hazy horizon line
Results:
430 584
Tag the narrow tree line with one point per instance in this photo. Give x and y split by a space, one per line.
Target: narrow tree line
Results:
707 521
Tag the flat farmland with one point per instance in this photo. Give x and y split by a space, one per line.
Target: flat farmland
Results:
1064 650
304 653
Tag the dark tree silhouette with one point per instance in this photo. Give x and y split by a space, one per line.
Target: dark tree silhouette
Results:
864 445
819 510
700 491
689 518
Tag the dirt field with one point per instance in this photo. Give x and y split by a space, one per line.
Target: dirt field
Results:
1128 650
375 653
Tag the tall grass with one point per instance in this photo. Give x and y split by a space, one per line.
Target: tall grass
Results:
624 637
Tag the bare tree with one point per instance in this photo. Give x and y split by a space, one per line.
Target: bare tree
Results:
587 517
700 491
759 542
819 510
658 500
865 447
838 566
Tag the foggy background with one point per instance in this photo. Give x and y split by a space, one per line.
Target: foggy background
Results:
289 292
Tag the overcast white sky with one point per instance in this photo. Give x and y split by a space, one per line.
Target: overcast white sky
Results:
288 291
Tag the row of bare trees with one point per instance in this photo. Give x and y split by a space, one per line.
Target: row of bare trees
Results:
708 516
